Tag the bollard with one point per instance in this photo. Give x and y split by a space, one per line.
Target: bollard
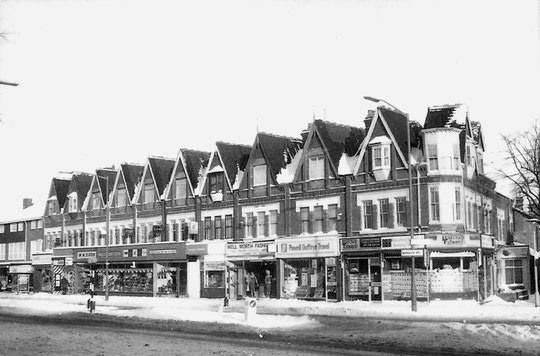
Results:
251 308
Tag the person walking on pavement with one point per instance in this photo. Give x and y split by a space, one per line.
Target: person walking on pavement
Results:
267 283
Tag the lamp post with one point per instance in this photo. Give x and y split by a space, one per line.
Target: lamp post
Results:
535 247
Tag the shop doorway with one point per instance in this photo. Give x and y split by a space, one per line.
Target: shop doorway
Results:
364 280
253 279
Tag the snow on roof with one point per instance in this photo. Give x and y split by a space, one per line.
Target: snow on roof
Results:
346 164
286 175
380 139
33 212
239 176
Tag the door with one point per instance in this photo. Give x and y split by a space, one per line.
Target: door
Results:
375 279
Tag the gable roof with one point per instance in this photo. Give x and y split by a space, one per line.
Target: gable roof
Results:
132 174
61 188
161 169
454 115
80 184
106 187
195 162
234 157
338 139
278 150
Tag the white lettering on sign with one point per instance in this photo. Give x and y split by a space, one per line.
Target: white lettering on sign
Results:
86 254
453 239
412 253
162 252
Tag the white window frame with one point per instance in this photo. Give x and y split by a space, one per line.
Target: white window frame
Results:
272 220
380 156
3 251
20 226
2 228
259 175
316 167
434 204
96 201
147 193
455 159
180 188
383 214
72 203
121 197
16 251
433 158
13 227
261 226
457 204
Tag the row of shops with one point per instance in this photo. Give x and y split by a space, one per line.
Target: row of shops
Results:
322 267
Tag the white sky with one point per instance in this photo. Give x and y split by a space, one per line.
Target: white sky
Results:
105 82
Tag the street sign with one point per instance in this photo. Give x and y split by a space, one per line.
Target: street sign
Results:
412 253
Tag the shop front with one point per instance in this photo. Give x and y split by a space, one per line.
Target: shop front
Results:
308 267
5 278
42 277
252 269
144 270
207 269
513 269
21 277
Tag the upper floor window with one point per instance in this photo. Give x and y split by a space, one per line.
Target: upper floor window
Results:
207 227
332 218
40 224
228 226
259 175
149 196
383 212
457 205
273 223
468 155
73 203
52 207
317 218
20 226
316 167
381 156
434 203
13 227
180 191
96 201
432 157
400 211
261 223
455 149
1 229
217 228
122 197
480 162
216 182
304 218
16 251
2 252
249 225
368 214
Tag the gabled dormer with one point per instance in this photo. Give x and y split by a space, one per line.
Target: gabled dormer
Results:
325 145
226 164
58 191
156 176
101 187
78 191
382 153
269 155
188 171
126 186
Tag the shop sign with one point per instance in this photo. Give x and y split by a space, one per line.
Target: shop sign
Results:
361 243
162 252
515 252
86 254
111 254
41 259
322 246
135 252
69 261
58 261
257 248
215 265
196 249
193 227
453 239
412 253
396 242
20 269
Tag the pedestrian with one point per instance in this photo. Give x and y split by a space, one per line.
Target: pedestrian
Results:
253 284
267 283
64 285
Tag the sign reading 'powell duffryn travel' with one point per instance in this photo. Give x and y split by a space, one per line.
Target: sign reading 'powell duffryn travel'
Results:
314 246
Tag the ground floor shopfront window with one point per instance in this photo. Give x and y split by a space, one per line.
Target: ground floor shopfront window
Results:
125 279
304 278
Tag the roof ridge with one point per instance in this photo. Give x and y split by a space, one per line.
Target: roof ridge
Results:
233 144
444 106
131 164
278 136
338 124
162 157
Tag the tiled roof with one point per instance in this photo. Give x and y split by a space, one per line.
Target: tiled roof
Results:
195 162
234 156
444 116
61 187
81 185
162 169
397 124
279 150
339 139
132 175
111 175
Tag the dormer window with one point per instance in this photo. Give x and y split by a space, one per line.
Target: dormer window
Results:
316 168
216 182
52 205
149 193
180 190
380 153
122 197
259 175
96 201
72 202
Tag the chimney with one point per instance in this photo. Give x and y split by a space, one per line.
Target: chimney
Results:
27 202
305 133
369 118
518 203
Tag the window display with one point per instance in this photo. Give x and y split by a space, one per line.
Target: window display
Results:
214 275
304 279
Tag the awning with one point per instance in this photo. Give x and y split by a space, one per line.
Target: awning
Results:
452 254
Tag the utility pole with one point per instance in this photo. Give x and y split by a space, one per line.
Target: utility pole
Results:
535 247
107 235
414 306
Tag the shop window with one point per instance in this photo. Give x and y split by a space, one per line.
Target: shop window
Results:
259 175
214 275
457 204
432 157
273 222
261 224
317 219
400 211
513 271
304 218
304 279
368 214
217 228
228 226
434 203
316 168
332 218
383 213
249 225
121 197
207 227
